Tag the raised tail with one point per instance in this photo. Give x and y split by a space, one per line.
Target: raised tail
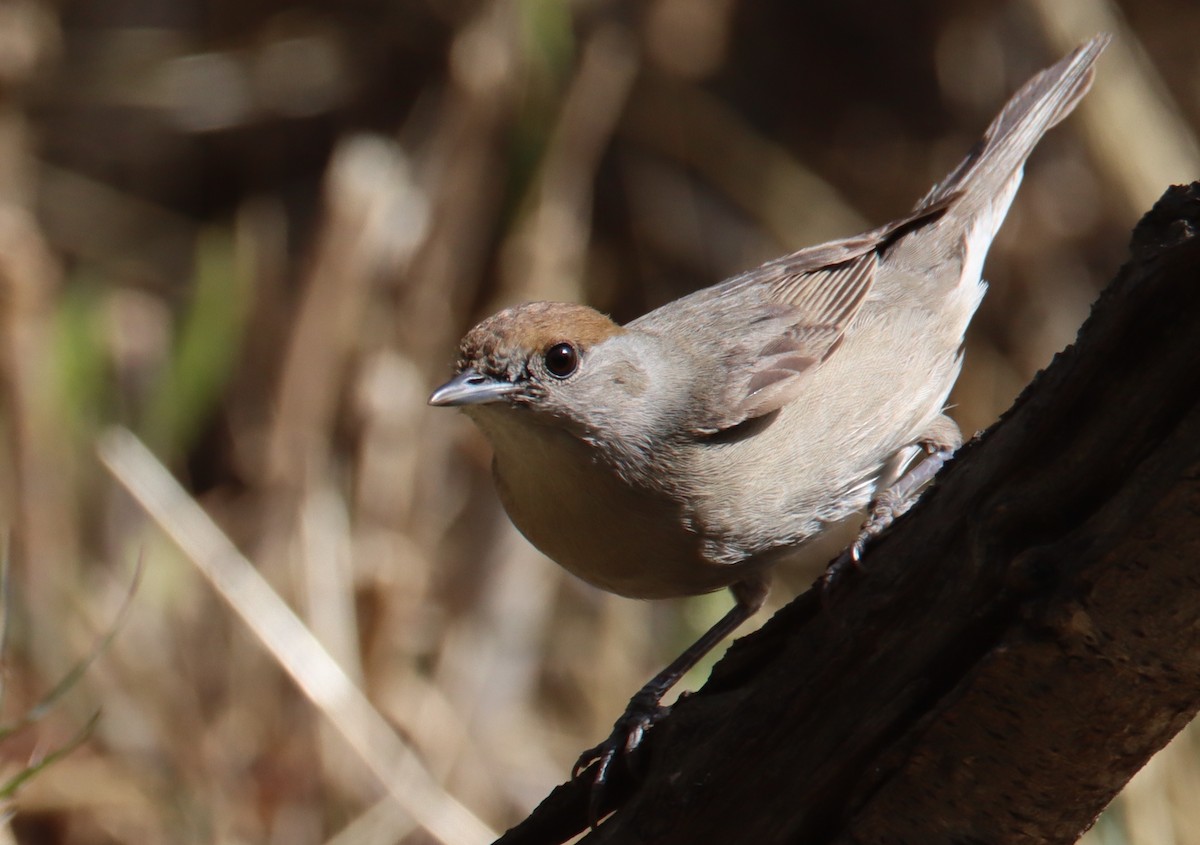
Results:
1043 101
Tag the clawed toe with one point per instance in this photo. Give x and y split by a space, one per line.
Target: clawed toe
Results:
887 506
625 739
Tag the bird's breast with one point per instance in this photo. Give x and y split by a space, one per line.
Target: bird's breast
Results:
601 526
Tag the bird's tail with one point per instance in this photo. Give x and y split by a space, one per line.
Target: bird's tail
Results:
997 159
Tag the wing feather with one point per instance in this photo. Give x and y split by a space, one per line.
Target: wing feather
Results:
816 308
771 325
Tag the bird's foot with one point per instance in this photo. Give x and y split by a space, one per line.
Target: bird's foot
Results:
885 508
642 713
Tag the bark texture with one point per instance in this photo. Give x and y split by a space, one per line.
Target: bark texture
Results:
1014 649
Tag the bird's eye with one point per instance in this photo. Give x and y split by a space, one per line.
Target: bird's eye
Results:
562 359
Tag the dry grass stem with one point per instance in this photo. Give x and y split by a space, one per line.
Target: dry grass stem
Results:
289 641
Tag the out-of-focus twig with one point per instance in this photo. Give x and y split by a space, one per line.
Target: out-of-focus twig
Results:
376 215
383 823
464 164
295 648
545 258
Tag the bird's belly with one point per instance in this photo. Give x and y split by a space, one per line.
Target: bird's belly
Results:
608 532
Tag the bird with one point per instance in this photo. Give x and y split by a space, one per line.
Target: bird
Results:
692 448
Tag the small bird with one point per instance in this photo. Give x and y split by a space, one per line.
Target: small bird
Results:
692 448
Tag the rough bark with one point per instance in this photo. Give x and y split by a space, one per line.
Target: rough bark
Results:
1012 651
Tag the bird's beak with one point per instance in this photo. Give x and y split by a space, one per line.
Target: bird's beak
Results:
471 388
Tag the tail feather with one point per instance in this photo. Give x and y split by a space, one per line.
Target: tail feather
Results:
1042 102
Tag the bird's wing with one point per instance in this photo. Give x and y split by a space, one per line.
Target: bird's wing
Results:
802 320
786 317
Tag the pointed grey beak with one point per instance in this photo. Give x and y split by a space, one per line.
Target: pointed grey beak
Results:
471 388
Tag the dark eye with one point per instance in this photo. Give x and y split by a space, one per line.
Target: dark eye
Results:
562 359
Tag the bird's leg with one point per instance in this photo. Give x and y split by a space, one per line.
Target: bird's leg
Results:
897 499
940 443
645 708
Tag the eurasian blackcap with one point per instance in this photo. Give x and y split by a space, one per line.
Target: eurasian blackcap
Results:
693 447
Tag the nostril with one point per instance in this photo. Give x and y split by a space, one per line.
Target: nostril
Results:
476 379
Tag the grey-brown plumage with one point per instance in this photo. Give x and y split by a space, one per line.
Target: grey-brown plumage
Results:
691 448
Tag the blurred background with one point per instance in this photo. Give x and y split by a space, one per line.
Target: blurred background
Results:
253 232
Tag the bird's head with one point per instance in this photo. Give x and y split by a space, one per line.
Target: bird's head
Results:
554 359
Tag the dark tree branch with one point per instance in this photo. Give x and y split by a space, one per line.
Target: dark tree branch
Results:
1015 648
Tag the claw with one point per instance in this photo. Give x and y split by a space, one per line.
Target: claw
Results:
626 737
888 505
884 510
848 562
